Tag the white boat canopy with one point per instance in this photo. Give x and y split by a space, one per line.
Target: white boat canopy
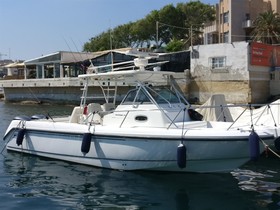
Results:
131 76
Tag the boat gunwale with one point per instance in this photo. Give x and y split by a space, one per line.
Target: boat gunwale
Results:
123 137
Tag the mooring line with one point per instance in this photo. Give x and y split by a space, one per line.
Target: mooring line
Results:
271 150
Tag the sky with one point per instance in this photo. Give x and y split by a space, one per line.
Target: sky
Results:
32 28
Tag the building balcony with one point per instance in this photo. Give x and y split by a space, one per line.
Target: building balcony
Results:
211 28
247 24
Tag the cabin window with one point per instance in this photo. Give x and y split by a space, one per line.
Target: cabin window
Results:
141 118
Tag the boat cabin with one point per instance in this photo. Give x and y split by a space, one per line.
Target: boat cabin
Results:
154 100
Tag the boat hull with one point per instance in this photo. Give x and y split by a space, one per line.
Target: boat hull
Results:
144 150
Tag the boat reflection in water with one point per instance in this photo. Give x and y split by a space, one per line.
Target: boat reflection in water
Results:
51 184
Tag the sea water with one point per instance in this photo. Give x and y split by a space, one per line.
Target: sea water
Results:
29 182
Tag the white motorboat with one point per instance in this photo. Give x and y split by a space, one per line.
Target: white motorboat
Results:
265 115
153 128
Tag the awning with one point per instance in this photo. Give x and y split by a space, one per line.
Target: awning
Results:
14 65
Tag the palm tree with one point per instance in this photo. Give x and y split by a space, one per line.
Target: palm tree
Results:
267 28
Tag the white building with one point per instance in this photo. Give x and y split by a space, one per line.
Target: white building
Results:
237 70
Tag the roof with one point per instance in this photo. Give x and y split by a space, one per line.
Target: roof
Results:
44 58
15 65
71 57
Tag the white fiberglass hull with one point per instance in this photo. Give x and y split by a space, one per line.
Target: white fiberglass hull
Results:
134 148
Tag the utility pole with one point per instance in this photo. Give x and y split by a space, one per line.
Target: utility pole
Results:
191 37
157 34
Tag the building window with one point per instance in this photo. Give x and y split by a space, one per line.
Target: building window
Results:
39 71
247 15
217 62
57 70
225 17
209 38
226 37
272 76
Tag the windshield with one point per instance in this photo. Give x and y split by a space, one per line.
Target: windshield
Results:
160 95
163 95
138 96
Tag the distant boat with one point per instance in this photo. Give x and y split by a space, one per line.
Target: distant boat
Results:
244 115
153 128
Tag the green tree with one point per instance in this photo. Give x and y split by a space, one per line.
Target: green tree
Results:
170 22
143 30
175 45
267 28
98 43
122 36
195 15
180 24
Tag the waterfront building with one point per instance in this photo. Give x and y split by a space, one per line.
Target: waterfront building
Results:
50 78
245 72
3 69
229 63
234 19
54 77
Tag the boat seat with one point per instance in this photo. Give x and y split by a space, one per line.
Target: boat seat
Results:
108 107
94 108
95 113
76 114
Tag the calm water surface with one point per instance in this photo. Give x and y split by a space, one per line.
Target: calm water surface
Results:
28 182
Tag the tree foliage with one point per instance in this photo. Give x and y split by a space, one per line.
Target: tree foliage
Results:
196 15
174 45
267 28
180 25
